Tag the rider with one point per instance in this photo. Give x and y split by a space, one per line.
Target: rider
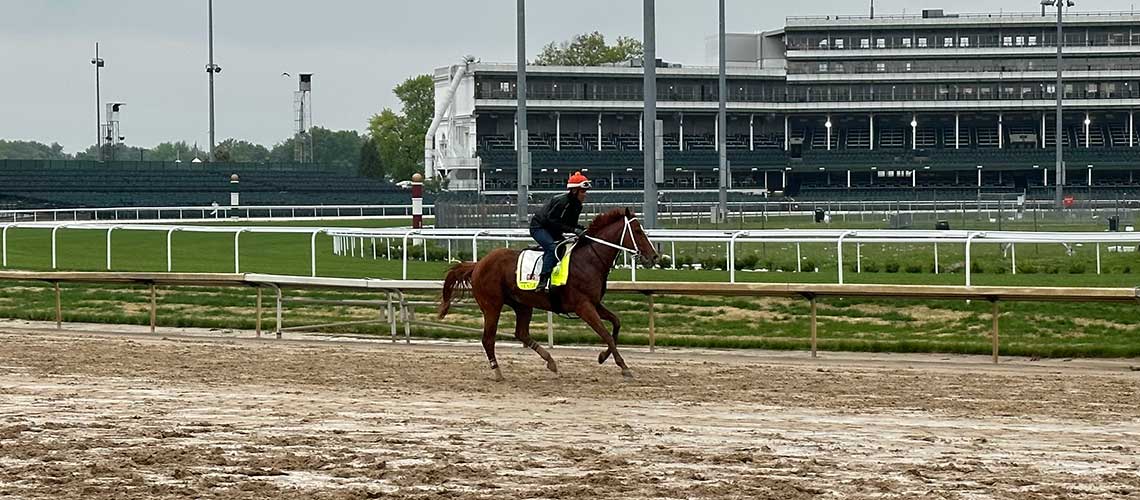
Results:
558 216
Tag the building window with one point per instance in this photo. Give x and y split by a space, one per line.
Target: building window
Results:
823 43
964 42
837 67
922 43
864 43
1091 88
505 86
839 43
1020 41
1033 41
880 43
880 66
823 67
948 42
1007 41
906 43
1051 89
908 66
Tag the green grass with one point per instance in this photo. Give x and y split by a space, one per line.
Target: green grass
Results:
845 324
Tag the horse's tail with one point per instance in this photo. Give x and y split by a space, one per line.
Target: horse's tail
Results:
458 280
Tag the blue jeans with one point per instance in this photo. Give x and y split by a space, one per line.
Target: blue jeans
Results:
546 241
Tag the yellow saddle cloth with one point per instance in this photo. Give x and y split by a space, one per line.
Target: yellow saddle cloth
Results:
530 266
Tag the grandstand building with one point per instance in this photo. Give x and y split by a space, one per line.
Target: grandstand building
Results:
929 106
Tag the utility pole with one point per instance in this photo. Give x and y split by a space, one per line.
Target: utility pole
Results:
212 69
522 134
649 116
98 63
722 124
1060 172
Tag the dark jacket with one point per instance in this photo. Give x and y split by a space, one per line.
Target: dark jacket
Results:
558 216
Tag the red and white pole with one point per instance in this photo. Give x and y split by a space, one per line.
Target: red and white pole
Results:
417 201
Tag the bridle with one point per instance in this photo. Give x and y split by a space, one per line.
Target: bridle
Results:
620 245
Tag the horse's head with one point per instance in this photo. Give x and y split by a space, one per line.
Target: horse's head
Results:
621 228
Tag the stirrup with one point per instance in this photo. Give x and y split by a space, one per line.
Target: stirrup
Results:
543 283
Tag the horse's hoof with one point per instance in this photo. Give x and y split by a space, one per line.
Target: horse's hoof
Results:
552 366
603 356
497 376
627 373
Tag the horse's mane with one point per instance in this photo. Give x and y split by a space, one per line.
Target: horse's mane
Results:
607 218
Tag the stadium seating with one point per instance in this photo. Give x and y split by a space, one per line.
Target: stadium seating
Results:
64 184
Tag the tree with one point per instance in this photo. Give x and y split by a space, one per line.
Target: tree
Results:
171 151
370 163
31 150
240 151
330 147
399 137
590 49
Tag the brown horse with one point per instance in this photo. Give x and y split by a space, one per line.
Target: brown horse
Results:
492 281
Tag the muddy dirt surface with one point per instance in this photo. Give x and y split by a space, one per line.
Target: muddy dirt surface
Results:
100 415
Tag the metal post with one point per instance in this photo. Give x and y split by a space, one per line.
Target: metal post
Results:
98 112
996 315
153 307
58 308
258 321
1060 93
813 327
211 69
652 325
523 133
550 329
722 124
278 329
650 114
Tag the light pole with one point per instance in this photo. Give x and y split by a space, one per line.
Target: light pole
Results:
212 68
649 113
722 125
1060 173
98 63
522 142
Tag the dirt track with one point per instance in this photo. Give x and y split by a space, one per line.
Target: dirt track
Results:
99 416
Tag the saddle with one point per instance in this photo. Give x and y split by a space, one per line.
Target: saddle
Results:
529 266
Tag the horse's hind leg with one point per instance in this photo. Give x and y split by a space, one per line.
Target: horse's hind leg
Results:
589 314
490 327
608 315
523 315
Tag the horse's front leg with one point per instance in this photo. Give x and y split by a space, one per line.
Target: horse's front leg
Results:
608 315
589 314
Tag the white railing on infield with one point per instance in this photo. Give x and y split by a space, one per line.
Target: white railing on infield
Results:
350 241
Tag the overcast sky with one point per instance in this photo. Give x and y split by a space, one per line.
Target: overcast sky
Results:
156 52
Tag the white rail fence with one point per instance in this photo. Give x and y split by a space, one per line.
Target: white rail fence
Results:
211 213
354 241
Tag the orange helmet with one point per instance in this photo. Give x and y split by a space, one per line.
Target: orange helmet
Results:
577 180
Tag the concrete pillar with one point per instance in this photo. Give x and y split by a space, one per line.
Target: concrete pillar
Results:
957 133
716 135
1088 121
1001 140
641 132
751 133
558 131
787 133
871 120
913 132
681 130
1042 130
599 131
848 178
1130 129
828 125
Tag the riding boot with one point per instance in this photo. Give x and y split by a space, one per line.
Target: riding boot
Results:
543 282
